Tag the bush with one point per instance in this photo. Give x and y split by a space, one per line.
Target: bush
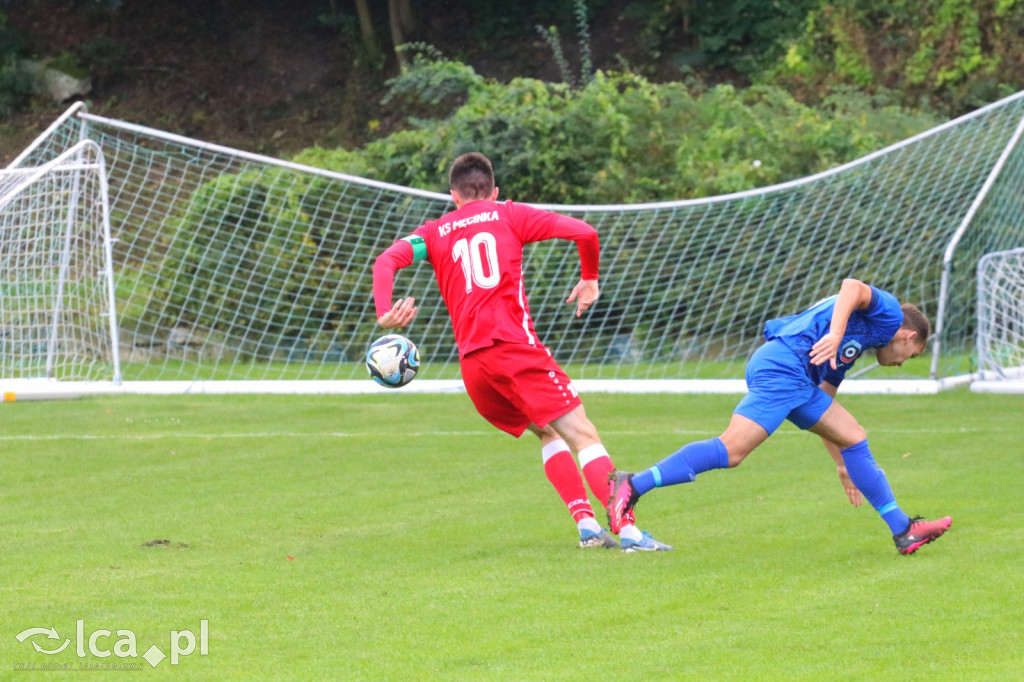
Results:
953 55
241 245
14 84
624 139
619 139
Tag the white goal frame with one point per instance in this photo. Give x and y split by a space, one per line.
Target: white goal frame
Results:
965 229
1001 323
72 204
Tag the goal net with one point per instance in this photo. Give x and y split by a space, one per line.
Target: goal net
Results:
1001 322
238 268
57 319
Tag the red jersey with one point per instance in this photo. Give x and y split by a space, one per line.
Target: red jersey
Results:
477 255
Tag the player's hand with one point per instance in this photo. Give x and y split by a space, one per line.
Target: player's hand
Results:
587 293
400 315
826 349
851 490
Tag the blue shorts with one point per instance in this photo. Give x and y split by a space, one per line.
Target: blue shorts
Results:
779 389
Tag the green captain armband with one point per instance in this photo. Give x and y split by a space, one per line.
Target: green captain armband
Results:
419 247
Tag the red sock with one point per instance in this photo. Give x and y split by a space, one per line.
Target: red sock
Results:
561 470
597 465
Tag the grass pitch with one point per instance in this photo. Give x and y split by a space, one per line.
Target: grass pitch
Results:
400 537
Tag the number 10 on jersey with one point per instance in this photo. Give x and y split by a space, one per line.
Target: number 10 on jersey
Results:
478 257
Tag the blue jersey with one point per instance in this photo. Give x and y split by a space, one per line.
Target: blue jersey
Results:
871 328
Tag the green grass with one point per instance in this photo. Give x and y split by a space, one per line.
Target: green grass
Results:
170 369
400 537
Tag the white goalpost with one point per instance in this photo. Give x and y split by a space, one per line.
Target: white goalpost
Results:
58 325
1001 322
239 272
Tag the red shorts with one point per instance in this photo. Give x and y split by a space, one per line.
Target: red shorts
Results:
513 385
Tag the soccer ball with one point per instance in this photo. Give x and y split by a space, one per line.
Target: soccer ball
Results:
392 361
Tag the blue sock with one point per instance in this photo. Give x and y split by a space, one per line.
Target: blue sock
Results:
683 466
871 482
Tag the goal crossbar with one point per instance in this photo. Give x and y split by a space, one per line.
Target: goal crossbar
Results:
240 268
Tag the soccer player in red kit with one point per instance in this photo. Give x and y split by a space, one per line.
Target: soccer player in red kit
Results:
514 382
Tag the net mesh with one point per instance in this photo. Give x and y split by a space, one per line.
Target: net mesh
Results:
1001 314
235 266
54 302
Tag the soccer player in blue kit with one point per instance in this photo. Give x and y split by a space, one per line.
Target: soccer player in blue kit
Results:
794 376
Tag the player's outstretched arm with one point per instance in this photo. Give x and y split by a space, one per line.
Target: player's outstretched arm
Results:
853 295
849 488
395 257
585 294
538 225
852 493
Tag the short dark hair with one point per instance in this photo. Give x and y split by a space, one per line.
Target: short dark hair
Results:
472 176
916 321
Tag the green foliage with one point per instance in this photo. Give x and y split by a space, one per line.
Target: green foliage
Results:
741 35
624 139
744 34
248 224
953 54
551 37
620 139
14 84
431 85
586 56
68 63
271 247
103 58
494 22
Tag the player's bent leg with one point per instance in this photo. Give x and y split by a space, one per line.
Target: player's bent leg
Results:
574 427
595 462
728 450
741 437
597 465
560 469
546 434
840 427
738 440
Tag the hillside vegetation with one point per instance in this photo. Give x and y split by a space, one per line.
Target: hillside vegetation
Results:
598 102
